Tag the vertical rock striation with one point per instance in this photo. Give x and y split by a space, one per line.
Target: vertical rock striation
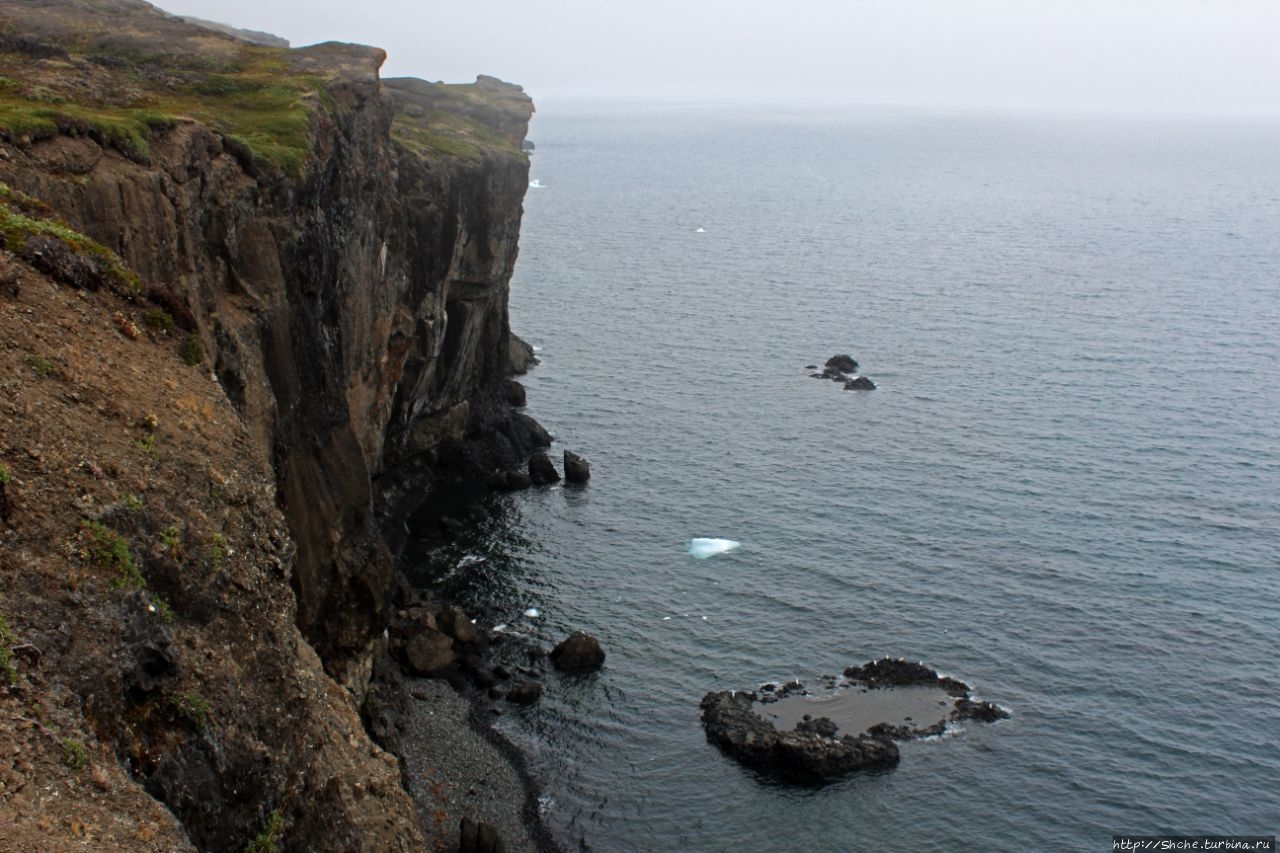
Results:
343 267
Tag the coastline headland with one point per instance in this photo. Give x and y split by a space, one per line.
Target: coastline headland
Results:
253 307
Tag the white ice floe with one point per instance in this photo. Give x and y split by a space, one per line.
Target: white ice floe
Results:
536 184
703 548
700 231
532 613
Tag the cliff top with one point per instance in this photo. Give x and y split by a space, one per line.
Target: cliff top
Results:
122 70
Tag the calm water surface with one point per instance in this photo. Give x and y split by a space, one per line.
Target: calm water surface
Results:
1065 491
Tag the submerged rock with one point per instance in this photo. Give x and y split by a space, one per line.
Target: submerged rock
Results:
859 383
579 652
576 469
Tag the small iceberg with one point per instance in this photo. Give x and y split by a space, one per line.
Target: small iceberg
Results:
700 231
535 184
703 548
532 613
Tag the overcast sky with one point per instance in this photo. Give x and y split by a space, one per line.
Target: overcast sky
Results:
1150 55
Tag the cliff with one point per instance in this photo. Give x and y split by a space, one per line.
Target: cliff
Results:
240 285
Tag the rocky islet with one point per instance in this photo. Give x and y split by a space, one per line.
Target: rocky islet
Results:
800 746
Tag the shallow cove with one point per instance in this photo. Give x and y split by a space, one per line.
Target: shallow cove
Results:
857 709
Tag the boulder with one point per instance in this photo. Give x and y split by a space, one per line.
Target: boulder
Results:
430 653
525 693
541 470
579 652
455 623
859 383
576 469
842 363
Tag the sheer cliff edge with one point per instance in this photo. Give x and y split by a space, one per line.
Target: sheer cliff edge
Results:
240 284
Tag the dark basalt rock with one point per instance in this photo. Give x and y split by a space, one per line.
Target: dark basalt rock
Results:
576 469
515 393
859 383
842 363
509 481
804 753
892 672
579 652
815 749
970 709
541 470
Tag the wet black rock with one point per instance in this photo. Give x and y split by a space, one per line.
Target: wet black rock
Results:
892 672
805 753
976 709
859 383
579 652
576 469
541 470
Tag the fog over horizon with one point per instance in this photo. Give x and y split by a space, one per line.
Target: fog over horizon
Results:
1164 56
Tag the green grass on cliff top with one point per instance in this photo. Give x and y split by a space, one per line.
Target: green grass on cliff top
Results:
256 100
448 130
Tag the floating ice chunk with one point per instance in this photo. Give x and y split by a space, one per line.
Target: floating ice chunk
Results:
532 613
536 184
498 629
703 548
666 618
700 231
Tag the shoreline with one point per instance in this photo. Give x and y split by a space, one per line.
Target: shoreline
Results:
457 765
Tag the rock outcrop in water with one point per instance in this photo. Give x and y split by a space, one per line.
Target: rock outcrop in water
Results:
843 369
253 303
808 752
816 749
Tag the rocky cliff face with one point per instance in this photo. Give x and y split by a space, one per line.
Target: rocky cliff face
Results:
335 251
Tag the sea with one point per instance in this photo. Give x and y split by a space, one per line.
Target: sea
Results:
1065 490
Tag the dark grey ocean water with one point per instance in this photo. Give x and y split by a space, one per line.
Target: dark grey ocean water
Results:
1066 490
